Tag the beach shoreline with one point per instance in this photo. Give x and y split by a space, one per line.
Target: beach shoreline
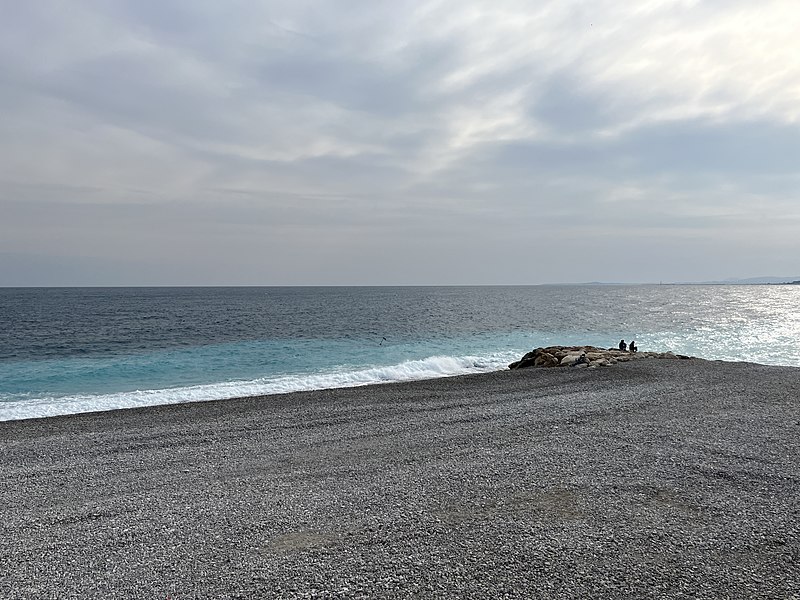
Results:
649 478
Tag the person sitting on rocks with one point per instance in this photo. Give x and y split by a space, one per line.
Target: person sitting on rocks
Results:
623 346
632 347
582 360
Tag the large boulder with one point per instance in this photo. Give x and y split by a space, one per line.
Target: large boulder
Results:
545 359
569 359
535 358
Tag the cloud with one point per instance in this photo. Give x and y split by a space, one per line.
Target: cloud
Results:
376 131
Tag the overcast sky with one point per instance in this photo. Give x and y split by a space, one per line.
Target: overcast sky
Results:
398 142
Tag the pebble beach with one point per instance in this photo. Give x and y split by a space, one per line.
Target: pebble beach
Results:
647 479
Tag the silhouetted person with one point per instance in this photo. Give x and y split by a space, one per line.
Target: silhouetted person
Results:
632 347
582 360
622 345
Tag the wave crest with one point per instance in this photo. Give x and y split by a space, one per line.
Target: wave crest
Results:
427 368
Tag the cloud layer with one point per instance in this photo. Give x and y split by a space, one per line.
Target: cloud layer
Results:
409 142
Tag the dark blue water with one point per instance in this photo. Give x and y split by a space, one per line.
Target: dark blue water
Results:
62 322
67 350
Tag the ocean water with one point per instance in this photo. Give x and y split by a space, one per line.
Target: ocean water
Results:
68 350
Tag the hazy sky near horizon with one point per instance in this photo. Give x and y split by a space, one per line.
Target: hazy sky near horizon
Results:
293 142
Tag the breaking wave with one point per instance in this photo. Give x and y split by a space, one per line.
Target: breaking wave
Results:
427 368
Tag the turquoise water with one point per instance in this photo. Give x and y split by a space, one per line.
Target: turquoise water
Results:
74 350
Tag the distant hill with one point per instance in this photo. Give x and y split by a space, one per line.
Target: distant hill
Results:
748 281
758 280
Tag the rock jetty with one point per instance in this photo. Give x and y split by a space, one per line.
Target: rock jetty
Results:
587 357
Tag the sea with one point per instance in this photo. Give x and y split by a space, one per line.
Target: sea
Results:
73 350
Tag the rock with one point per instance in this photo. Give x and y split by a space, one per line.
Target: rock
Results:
525 361
535 358
568 360
545 359
563 356
521 364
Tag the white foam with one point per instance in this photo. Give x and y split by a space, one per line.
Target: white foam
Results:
428 368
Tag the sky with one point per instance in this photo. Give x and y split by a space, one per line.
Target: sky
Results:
355 142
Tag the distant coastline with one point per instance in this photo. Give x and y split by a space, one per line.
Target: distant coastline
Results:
749 281
761 281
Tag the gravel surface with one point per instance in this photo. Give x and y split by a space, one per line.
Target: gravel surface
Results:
650 479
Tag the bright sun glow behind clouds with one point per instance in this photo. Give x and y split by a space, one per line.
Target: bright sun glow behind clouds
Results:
661 60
